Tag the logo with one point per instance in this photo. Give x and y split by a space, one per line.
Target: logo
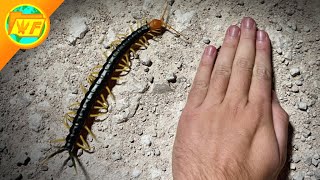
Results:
27 26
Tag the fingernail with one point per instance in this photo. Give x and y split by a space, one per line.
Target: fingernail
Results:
261 36
210 50
247 23
233 31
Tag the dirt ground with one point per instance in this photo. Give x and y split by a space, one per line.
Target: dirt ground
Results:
135 140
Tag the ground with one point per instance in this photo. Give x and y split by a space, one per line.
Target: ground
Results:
136 137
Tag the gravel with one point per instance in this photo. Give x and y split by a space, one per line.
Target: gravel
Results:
302 106
136 173
294 72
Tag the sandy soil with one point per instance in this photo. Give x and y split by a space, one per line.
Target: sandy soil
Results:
135 140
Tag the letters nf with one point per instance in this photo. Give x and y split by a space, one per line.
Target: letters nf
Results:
26 25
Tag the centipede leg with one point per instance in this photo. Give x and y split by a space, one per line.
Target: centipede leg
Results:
91 133
58 140
109 91
83 89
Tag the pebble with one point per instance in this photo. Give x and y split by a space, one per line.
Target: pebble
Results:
278 28
44 168
317 174
218 15
298 176
294 72
308 161
19 177
292 25
298 83
161 88
206 41
136 173
315 162
77 29
306 29
306 133
70 163
155 173
171 77
146 140
288 84
293 166
279 51
2 147
147 62
302 106
296 158
316 156
157 152
35 122
241 3
295 89
116 156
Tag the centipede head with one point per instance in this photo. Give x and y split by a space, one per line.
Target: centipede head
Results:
160 24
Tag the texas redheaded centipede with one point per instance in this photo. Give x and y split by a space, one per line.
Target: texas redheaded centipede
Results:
94 95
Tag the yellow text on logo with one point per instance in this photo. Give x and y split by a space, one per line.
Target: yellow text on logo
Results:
22 25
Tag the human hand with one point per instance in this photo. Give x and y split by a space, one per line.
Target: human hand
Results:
232 126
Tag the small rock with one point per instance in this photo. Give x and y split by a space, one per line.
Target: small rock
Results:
298 176
308 161
44 168
278 28
19 177
306 29
298 83
170 2
70 163
316 156
288 84
206 41
147 62
146 69
317 174
116 156
157 152
241 3
2 147
302 106
218 15
77 29
35 122
279 51
292 166
136 173
295 89
294 71
155 173
146 140
296 158
171 77
161 88
315 162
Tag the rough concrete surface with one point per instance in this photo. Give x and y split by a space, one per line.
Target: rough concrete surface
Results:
136 138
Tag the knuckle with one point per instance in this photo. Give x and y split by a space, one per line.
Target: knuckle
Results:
230 43
223 70
244 63
262 72
200 85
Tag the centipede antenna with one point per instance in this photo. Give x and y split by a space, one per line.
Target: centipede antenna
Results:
167 26
53 154
164 12
63 165
73 162
82 168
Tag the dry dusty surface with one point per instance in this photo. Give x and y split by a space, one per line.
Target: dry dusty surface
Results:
136 138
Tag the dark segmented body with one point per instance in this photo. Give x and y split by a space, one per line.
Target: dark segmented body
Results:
99 84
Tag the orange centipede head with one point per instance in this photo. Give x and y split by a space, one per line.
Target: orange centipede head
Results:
156 24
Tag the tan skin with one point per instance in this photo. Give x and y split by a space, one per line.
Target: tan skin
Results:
232 126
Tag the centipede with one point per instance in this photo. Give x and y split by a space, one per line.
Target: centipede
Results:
94 99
